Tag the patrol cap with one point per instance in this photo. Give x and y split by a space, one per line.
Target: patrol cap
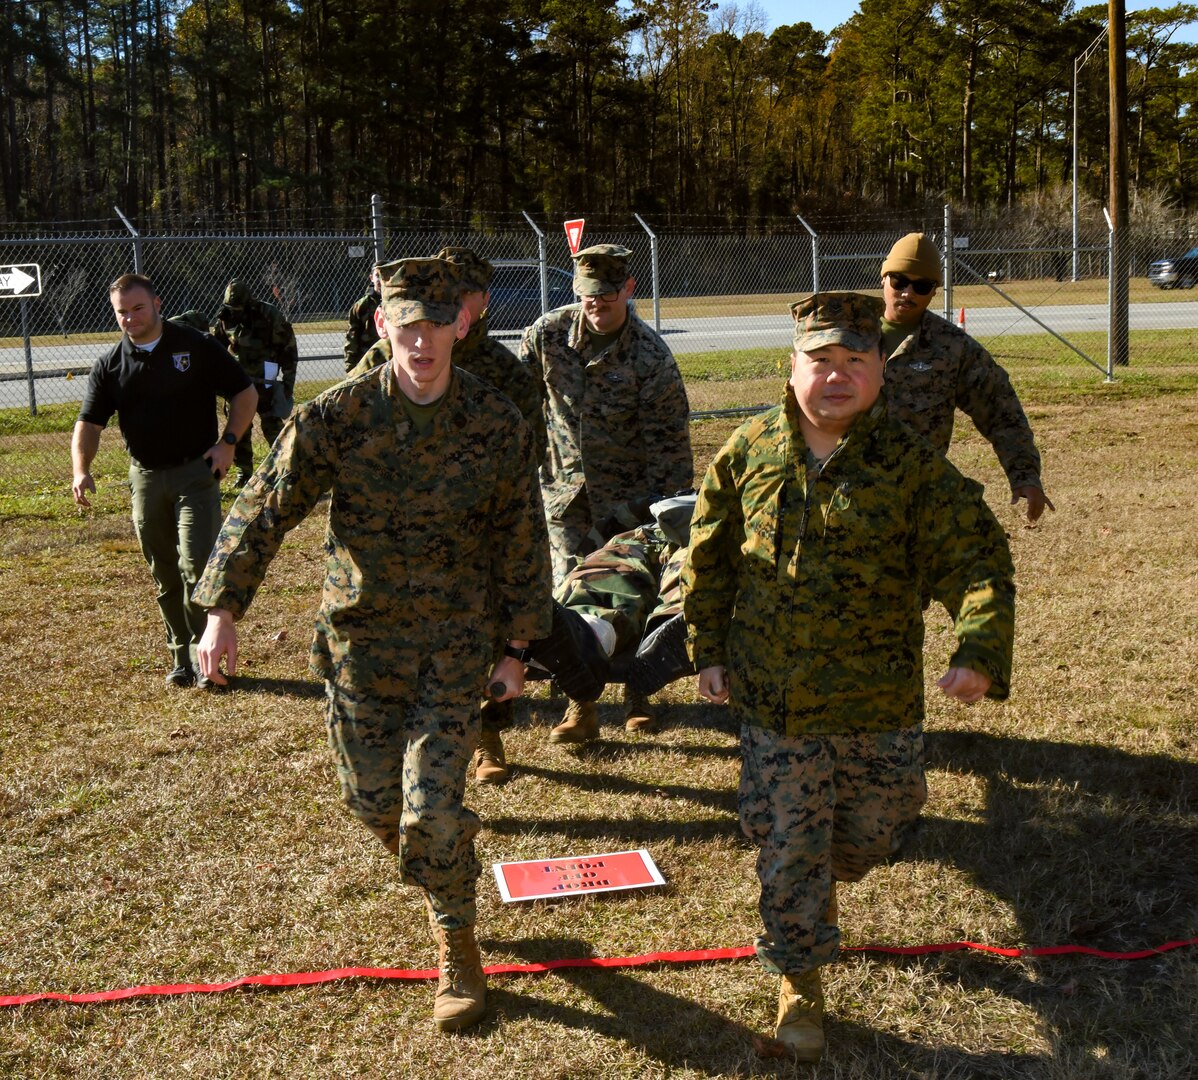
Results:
237 294
476 271
601 269
837 318
417 289
916 256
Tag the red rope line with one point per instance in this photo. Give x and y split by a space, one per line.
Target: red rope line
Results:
314 978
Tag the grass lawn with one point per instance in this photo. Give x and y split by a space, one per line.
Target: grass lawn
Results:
152 836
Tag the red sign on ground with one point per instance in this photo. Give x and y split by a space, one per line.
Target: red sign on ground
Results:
540 879
574 233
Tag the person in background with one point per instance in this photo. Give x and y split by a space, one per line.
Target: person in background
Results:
162 382
362 332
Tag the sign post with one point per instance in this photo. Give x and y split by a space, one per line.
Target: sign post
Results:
574 229
16 283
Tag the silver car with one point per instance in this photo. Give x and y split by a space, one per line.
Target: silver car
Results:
1180 273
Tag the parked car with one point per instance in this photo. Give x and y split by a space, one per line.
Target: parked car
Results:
516 292
1180 273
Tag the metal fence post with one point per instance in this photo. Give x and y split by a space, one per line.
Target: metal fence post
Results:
653 264
948 262
28 357
1110 295
376 227
137 261
542 258
814 253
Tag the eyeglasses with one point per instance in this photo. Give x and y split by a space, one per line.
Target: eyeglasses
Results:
921 286
603 298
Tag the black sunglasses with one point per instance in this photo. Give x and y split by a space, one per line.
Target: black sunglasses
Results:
922 286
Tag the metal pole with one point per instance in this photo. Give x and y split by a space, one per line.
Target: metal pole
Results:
948 262
653 263
28 357
1110 295
137 260
1078 61
814 253
376 226
542 257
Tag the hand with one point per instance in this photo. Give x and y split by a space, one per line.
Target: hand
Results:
713 684
83 483
219 458
219 640
1036 501
509 671
964 684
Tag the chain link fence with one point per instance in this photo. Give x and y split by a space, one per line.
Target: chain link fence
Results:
1032 293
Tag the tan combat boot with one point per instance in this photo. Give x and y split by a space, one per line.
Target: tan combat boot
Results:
580 724
638 712
801 1016
462 988
489 763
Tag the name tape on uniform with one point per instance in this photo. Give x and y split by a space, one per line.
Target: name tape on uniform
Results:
543 879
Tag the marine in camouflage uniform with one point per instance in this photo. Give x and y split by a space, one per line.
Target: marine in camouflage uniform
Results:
935 368
257 333
437 555
815 537
616 412
362 332
192 317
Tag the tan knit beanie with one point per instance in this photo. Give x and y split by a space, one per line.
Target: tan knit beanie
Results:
916 256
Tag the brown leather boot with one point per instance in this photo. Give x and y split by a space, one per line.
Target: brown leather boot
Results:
580 724
638 712
489 762
801 1016
462 988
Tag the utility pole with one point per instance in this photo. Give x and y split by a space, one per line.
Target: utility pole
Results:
1120 238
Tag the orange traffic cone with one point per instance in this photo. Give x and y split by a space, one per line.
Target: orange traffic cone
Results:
961 318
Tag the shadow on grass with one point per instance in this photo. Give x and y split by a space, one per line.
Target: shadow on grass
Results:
255 684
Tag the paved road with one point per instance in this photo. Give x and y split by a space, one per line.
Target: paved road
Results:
320 353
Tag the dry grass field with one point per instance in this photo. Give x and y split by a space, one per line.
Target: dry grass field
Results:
151 836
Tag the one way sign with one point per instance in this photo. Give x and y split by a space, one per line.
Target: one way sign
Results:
24 280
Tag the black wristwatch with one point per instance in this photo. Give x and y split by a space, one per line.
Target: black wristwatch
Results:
523 655
229 437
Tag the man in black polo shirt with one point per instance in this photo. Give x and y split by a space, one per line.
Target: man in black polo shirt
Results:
162 381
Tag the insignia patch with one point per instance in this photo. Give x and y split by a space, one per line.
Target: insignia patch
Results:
614 377
182 360
921 365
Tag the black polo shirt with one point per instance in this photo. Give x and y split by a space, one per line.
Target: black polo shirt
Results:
165 400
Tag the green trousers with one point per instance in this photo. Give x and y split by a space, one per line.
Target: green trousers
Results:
176 515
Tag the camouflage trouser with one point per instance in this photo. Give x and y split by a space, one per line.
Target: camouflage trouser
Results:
567 535
821 809
402 767
270 403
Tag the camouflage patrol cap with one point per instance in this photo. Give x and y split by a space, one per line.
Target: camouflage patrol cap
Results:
601 269
237 293
414 290
915 256
837 318
476 271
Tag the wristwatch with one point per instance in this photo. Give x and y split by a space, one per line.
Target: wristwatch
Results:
229 437
523 655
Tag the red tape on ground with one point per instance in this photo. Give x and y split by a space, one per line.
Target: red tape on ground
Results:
313 978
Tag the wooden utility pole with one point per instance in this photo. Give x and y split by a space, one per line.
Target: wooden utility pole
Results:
1120 226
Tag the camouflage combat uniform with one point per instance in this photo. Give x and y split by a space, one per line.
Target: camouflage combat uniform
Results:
362 333
436 552
805 583
617 423
192 317
256 332
940 368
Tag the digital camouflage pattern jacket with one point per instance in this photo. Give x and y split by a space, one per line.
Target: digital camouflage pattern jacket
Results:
261 333
809 591
436 547
940 368
361 333
617 423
